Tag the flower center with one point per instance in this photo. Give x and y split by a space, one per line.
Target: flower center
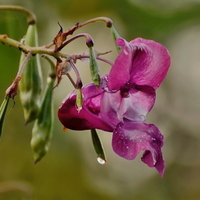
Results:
124 91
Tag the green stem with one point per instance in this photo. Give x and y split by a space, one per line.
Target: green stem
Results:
31 18
33 50
52 64
107 20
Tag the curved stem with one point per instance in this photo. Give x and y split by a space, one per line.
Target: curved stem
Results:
89 40
52 64
31 18
71 80
24 187
78 83
107 20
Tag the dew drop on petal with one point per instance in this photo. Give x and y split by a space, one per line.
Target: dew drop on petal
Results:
101 161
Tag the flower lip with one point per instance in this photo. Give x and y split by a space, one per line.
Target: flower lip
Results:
129 139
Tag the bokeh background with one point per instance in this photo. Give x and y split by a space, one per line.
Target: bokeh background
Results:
70 171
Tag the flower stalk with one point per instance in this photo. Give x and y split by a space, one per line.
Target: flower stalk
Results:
107 20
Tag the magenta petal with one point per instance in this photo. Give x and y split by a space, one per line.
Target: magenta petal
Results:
89 117
151 64
134 107
120 71
143 62
129 139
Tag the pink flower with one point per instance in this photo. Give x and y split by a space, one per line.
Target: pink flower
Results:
123 100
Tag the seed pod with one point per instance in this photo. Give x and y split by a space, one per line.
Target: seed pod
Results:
79 99
3 109
94 67
42 129
115 35
101 158
30 86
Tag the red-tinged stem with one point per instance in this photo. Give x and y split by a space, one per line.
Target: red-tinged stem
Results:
78 83
89 41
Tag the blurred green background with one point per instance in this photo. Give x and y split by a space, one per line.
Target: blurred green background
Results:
70 171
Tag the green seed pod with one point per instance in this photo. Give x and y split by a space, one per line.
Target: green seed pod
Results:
115 35
3 109
79 99
94 67
42 129
101 158
30 86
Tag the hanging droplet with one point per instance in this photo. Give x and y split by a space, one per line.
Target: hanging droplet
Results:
101 161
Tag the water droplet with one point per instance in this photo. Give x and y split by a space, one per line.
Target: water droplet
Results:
101 161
